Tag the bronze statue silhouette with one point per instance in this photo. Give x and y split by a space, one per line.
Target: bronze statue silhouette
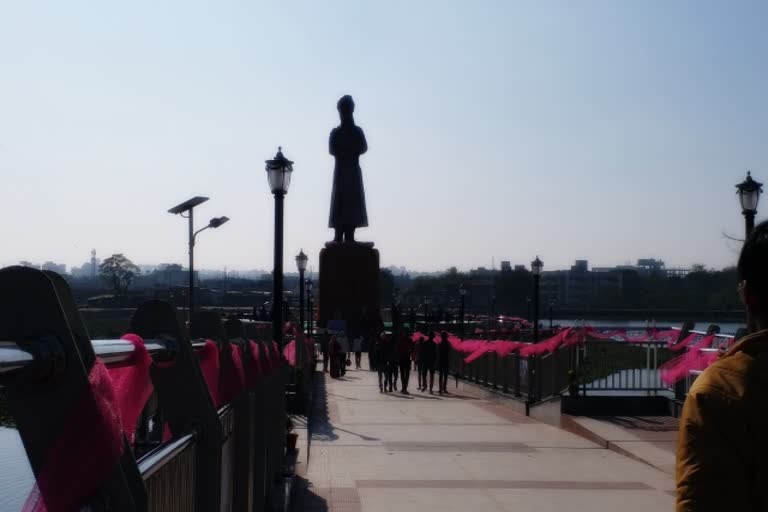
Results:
346 144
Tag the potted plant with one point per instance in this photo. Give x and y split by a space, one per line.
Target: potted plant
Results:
573 383
291 436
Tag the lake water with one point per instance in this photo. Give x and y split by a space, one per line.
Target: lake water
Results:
725 327
16 479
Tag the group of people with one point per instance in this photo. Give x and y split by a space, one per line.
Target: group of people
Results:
337 355
393 356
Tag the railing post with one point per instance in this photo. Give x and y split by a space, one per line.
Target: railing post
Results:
516 376
38 311
504 373
555 368
244 497
184 398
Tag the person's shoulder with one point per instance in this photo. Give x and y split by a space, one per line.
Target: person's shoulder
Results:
728 377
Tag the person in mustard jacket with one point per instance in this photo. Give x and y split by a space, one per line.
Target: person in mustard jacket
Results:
722 448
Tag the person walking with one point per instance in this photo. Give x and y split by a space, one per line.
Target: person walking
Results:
334 348
403 350
419 360
392 363
443 362
357 348
324 347
428 357
722 443
415 349
381 351
343 353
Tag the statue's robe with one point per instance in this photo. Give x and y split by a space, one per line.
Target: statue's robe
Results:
346 144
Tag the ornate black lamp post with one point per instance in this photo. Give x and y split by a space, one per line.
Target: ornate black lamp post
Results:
426 312
180 209
463 295
301 264
310 327
536 266
550 315
491 315
528 303
279 171
749 192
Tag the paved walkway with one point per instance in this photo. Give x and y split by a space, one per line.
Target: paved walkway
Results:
372 452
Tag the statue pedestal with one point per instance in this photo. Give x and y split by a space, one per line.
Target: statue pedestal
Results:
349 285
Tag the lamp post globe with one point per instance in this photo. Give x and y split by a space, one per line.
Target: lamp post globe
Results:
749 192
279 170
536 268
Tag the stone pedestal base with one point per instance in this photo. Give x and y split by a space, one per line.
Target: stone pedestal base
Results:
349 286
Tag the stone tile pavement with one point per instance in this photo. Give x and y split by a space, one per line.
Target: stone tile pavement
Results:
373 452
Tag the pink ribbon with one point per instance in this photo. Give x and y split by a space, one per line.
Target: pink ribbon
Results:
86 449
209 365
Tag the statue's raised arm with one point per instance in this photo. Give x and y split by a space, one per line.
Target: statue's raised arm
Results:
346 143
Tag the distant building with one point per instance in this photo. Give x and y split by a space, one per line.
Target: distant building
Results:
94 267
54 267
89 269
506 266
649 266
29 264
574 287
166 276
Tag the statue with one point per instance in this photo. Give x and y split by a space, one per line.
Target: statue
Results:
346 144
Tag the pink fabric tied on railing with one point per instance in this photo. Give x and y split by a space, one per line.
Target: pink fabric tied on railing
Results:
209 366
669 335
89 445
683 343
254 376
132 385
455 342
481 348
232 383
694 359
289 352
504 348
548 345
606 335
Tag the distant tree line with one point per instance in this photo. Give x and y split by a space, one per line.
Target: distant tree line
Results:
509 292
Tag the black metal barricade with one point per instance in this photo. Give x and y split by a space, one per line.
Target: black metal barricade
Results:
225 459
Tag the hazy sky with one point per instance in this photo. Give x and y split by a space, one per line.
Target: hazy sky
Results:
605 131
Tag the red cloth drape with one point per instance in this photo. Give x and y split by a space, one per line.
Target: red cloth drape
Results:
88 446
209 365
232 383
694 359
132 385
258 371
289 352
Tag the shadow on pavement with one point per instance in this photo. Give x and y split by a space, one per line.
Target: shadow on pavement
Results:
305 500
320 426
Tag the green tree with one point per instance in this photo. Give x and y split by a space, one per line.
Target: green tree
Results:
119 272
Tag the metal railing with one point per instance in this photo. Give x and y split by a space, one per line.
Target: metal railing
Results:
225 459
535 378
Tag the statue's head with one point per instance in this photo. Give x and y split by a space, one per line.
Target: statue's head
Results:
346 107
